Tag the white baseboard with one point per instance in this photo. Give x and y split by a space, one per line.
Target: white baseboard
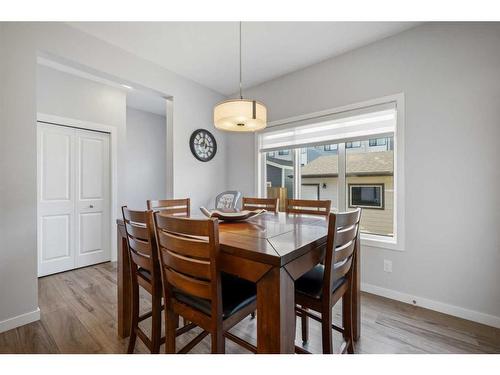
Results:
20 320
460 312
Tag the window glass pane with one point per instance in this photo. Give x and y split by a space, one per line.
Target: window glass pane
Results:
370 184
355 144
319 173
280 179
328 147
378 142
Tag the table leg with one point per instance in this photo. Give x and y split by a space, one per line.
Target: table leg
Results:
276 312
356 298
124 287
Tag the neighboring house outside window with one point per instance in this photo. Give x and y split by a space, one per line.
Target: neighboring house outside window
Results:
367 168
330 147
354 144
378 142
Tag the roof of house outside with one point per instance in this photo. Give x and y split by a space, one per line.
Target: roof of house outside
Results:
366 163
278 161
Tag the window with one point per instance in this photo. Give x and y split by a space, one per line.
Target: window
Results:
330 147
355 144
378 142
348 157
283 152
366 196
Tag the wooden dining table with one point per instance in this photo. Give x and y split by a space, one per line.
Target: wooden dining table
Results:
272 250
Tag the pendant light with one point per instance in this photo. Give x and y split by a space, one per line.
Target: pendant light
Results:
240 115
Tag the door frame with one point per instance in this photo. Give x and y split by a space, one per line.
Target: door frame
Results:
113 134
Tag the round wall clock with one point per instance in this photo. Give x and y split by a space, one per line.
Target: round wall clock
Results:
203 145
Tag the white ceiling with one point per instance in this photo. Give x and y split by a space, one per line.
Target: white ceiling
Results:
207 52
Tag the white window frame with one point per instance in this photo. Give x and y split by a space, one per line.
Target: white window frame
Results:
378 241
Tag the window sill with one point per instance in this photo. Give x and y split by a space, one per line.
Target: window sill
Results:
380 242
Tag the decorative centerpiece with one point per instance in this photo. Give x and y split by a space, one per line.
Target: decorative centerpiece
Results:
231 214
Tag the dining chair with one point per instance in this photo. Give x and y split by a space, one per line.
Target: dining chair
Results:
193 285
227 199
323 286
176 207
306 206
269 204
144 272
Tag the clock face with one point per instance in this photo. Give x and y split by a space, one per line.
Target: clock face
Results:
203 145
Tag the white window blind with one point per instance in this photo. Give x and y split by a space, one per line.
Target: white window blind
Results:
332 128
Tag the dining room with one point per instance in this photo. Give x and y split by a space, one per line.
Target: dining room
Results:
258 187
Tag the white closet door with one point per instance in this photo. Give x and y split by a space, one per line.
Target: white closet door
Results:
92 198
56 209
73 198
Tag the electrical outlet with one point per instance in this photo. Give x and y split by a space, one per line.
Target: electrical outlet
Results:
387 265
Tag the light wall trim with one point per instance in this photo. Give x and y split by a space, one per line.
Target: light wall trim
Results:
457 311
20 320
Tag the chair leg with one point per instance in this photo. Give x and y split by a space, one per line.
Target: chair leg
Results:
347 319
171 321
134 321
252 315
304 319
156 325
218 342
326 330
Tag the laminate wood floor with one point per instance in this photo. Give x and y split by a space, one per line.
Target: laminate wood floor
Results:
78 315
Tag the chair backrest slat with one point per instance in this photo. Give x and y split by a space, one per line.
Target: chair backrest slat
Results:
189 285
347 219
188 251
309 207
344 251
188 266
269 204
134 216
141 260
185 245
343 237
184 227
177 207
137 230
138 246
340 270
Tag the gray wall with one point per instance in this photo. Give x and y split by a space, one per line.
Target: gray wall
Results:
66 95
449 74
146 157
19 44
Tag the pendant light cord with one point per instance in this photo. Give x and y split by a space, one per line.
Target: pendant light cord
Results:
241 90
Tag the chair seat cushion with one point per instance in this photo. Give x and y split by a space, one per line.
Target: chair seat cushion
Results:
237 293
311 283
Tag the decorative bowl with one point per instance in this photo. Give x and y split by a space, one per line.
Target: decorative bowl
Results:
231 214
